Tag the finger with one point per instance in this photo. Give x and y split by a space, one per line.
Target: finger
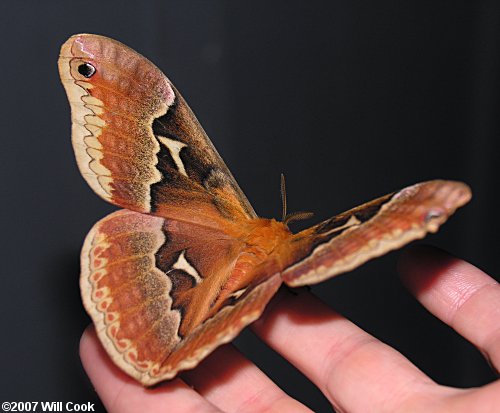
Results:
120 393
340 358
458 293
234 384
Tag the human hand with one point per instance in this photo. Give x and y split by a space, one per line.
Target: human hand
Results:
354 370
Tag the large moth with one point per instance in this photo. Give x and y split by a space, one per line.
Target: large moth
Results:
188 263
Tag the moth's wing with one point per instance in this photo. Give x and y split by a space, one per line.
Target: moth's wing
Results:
150 285
348 240
136 141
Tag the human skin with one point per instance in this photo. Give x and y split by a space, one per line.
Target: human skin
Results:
355 371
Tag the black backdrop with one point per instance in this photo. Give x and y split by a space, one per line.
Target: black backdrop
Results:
349 99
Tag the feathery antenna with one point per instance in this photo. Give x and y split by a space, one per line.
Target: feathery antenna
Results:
283 197
294 216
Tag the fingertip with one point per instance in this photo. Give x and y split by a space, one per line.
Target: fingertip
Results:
87 343
439 280
86 338
92 353
456 292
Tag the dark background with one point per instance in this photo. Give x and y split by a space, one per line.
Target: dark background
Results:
350 100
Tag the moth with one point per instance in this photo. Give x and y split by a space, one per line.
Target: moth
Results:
187 264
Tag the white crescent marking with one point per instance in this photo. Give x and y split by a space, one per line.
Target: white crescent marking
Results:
175 148
183 264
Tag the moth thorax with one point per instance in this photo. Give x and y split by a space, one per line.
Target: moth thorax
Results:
266 234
